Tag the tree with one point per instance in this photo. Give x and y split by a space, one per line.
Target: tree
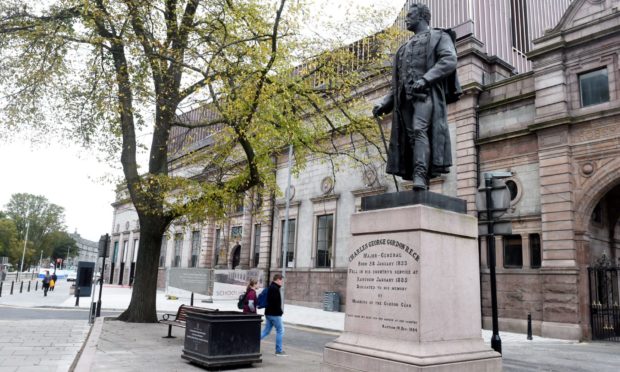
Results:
58 244
9 241
44 217
45 222
150 61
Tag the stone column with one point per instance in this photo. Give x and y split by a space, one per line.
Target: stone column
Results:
484 253
559 265
266 232
525 248
472 69
222 262
466 161
246 233
499 252
207 245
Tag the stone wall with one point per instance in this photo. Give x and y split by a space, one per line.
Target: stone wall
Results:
519 292
307 287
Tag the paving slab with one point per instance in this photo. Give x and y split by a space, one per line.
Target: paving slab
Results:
140 347
40 345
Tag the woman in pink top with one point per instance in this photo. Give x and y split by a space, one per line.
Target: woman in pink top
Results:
249 304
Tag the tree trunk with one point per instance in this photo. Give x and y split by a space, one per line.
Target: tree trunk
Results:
142 308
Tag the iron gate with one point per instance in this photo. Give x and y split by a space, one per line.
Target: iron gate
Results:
604 307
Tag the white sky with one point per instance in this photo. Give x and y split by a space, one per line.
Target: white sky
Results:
70 177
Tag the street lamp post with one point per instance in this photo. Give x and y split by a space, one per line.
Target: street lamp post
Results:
496 342
104 241
286 222
21 266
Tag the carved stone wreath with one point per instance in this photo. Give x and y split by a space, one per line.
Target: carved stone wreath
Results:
327 185
369 177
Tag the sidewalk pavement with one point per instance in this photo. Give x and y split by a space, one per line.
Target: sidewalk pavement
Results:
118 346
40 345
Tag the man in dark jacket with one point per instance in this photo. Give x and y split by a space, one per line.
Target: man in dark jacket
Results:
423 81
46 282
273 313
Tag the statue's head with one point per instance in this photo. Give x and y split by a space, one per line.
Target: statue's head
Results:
417 12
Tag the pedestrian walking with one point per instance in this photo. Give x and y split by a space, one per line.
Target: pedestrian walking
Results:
46 282
249 302
273 313
53 281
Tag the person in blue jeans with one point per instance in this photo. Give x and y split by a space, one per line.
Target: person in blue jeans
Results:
273 314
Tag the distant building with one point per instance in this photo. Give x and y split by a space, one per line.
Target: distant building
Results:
87 250
506 28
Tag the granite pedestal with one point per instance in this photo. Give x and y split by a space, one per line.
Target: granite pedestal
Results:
413 294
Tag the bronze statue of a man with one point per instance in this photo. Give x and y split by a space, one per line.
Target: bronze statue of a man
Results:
423 82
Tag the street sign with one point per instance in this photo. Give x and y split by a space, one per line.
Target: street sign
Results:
103 245
500 198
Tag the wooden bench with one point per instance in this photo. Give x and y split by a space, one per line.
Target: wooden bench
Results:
180 317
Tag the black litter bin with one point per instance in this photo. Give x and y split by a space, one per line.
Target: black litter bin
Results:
222 338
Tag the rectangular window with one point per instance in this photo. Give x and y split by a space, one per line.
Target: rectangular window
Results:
594 87
239 207
218 243
178 246
257 228
236 232
136 245
535 254
162 252
324 240
195 248
513 253
115 251
290 251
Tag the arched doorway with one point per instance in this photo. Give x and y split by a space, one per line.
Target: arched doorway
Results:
603 232
236 255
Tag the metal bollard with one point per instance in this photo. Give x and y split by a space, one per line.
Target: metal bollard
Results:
12 285
29 282
529 326
36 286
1 284
21 287
93 311
77 296
191 301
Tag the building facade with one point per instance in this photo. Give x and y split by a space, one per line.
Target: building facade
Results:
87 250
552 120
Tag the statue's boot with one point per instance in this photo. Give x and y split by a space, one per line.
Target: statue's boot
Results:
419 183
421 154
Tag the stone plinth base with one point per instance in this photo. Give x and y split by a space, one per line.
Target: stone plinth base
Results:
413 295
463 356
